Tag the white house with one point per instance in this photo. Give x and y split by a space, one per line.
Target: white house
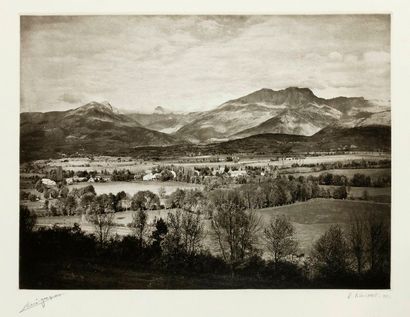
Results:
237 173
48 182
69 181
148 177
91 180
79 179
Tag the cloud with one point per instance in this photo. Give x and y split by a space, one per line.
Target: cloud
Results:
198 62
71 98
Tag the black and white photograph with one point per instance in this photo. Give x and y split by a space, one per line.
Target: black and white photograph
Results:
205 158
205 152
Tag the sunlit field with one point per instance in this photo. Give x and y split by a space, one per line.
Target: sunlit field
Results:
314 217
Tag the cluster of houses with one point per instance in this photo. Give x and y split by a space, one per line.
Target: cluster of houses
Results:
149 176
48 182
237 173
77 179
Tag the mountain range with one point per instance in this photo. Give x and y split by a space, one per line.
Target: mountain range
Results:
92 128
290 111
100 128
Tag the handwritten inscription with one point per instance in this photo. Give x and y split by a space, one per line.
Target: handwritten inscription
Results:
39 302
375 295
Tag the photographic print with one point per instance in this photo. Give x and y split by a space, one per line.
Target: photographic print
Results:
205 152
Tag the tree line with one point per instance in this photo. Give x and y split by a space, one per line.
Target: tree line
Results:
358 253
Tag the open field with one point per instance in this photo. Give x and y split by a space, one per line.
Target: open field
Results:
110 163
372 172
314 217
311 219
133 187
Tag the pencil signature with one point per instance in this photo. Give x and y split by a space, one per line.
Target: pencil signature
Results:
358 295
39 302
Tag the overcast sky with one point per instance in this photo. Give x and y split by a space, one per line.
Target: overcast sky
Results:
198 62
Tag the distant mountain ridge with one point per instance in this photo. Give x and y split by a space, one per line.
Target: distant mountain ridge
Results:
292 111
97 127
163 120
94 127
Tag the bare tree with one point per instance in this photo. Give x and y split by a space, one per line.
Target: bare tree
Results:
378 229
280 238
161 192
102 221
235 229
192 232
185 233
139 224
357 239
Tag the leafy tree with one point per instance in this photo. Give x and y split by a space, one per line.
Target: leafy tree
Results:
39 186
64 191
145 200
326 179
340 192
365 195
86 200
46 205
28 220
305 191
58 207
330 253
117 205
176 199
70 204
193 200
166 175
360 180
46 193
106 202
87 189
53 193
280 238
120 195
32 197
159 232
